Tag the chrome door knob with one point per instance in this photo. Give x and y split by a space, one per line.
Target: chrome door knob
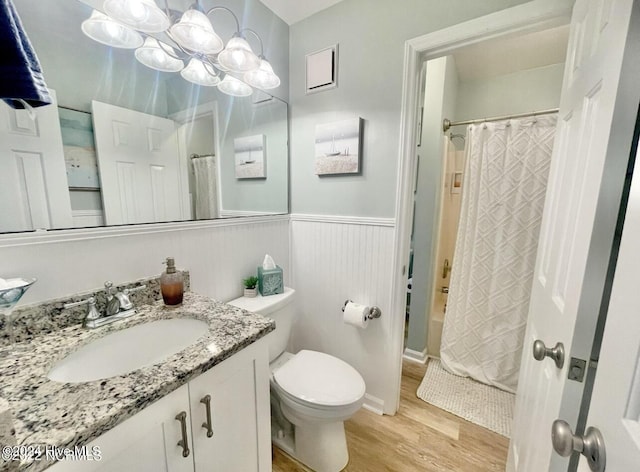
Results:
540 351
591 445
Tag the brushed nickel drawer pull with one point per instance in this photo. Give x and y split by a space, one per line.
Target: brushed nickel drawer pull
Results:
184 442
207 424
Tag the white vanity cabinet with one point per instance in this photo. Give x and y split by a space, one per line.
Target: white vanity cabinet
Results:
238 393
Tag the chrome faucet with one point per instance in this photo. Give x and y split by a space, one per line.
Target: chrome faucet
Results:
113 302
119 306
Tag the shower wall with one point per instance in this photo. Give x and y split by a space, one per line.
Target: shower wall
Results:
439 102
518 92
450 201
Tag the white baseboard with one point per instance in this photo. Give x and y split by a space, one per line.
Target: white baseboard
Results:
415 356
373 404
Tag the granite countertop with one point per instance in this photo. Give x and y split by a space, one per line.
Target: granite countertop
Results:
67 415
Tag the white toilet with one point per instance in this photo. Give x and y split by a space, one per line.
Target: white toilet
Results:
311 393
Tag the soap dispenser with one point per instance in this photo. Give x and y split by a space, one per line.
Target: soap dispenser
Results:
172 284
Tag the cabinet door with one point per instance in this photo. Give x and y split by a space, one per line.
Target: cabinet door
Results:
146 442
240 417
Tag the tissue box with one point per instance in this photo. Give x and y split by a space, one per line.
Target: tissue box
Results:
270 281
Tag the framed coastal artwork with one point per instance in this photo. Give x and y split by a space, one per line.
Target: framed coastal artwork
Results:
79 148
251 158
338 147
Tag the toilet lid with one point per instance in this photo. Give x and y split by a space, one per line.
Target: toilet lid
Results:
320 379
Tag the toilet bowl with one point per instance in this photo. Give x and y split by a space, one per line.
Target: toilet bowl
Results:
312 393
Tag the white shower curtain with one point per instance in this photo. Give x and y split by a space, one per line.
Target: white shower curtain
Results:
205 191
503 196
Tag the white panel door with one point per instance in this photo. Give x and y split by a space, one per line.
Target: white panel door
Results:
34 192
140 173
592 72
615 402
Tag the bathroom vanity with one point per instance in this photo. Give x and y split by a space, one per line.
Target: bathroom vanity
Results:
205 407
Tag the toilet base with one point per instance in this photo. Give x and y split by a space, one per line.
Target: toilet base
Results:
321 447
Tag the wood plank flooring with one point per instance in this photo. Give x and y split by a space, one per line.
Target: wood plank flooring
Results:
420 437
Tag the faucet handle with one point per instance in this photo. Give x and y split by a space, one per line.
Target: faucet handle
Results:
92 312
123 297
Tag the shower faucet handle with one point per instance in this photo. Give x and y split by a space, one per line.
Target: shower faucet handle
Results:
446 268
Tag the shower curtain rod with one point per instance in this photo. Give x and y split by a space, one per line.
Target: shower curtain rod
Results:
446 123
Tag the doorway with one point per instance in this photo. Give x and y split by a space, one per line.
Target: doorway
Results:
511 23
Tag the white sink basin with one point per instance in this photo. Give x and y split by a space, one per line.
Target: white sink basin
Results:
130 349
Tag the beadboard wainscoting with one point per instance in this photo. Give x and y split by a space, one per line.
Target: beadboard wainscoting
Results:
218 253
335 258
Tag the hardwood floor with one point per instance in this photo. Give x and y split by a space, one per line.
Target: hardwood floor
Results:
420 437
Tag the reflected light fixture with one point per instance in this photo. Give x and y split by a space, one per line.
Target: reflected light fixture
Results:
143 15
200 73
194 32
190 39
105 30
263 77
237 56
234 87
152 55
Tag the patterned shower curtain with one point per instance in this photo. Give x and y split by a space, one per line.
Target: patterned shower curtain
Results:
503 194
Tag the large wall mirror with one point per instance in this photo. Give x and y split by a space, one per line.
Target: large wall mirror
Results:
125 144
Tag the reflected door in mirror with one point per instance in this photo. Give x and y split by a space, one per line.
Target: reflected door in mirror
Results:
33 183
143 178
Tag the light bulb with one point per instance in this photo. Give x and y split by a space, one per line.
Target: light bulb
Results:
143 15
136 9
112 28
199 73
106 30
195 33
152 55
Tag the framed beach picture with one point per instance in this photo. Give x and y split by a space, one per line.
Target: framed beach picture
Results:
338 147
251 158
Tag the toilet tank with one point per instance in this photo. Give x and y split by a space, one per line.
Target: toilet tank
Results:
279 308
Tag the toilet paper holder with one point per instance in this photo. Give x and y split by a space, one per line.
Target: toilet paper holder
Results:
374 311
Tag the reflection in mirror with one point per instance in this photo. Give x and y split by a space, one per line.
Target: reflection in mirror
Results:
126 144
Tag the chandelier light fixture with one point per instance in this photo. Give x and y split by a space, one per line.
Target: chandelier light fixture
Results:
234 68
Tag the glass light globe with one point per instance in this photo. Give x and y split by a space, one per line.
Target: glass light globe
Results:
232 86
238 56
198 73
143 15
106 30
152 55
195 33
263 77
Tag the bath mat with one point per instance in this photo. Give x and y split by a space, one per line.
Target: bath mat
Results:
478 403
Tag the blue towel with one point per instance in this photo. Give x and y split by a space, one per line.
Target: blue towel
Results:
21 79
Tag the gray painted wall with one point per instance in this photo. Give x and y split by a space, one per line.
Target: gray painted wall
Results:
519 92
263 195
371 35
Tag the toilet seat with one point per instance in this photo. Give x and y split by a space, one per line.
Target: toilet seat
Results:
320 381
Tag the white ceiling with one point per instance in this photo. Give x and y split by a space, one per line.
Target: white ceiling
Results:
292 11
506 55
